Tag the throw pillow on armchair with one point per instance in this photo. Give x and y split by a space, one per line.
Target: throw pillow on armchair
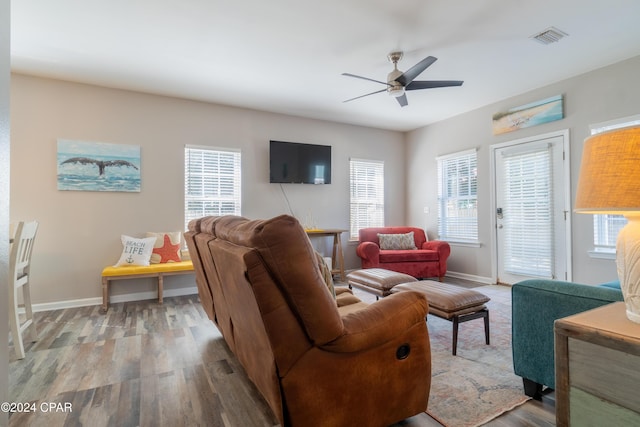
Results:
428 259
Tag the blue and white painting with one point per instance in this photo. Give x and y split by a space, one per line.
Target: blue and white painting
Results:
533 114
98 166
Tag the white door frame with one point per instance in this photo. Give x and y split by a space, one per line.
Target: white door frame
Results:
567 197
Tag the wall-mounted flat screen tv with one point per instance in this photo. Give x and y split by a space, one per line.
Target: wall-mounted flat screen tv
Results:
296 163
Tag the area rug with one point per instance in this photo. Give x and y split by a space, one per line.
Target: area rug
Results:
478 384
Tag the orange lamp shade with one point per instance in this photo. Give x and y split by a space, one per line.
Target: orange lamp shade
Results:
609 180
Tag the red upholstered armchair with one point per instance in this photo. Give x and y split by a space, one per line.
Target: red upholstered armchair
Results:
425 259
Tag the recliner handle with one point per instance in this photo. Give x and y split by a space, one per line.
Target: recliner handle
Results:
403 351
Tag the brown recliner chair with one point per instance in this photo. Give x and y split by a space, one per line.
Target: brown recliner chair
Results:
315 363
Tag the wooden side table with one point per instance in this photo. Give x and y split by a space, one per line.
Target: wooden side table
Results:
337 257
597 360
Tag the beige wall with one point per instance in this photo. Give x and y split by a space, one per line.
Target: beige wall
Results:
80 231
594 97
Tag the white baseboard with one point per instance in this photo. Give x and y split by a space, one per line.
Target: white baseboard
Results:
60 305
137 296
141 296
472 277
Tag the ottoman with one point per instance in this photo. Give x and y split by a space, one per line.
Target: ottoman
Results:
377 281
452 303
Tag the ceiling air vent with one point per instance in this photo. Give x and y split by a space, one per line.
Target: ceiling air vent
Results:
550 35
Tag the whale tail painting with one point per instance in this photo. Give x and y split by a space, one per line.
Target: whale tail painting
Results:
102 164
98 166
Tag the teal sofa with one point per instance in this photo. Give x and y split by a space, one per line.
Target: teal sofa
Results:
536 304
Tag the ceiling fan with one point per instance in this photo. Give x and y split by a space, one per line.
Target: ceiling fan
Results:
399 82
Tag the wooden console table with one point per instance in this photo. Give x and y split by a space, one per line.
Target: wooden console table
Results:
337 257
597 368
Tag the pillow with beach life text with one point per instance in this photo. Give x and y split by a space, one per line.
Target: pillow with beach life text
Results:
135 251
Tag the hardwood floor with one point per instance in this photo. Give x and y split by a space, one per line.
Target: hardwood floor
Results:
142 364
145 364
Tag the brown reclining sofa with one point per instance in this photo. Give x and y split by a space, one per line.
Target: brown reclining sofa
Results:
315 363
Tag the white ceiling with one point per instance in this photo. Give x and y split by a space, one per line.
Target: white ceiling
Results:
287 56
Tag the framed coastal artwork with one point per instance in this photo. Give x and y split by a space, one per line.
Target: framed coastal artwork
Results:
535 113
98 166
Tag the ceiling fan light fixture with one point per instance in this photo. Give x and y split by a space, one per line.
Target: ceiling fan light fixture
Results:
400 81
396 91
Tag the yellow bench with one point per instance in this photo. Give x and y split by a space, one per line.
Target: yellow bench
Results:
138 271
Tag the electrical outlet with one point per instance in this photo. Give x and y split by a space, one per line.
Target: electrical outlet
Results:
426 209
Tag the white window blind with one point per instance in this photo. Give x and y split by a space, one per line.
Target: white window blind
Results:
529 225
212 184
367 195
457 197
606 226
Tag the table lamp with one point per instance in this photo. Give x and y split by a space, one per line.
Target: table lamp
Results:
609 183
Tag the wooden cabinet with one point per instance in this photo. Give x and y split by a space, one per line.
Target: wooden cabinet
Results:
597 358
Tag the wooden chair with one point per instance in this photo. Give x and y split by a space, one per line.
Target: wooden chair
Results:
19 276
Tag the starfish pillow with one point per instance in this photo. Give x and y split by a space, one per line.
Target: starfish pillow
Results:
167 247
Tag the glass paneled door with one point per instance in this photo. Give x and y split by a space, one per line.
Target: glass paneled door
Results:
531 210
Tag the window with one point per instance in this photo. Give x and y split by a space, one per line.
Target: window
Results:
606 226
367 195
211 182
605 231
457 197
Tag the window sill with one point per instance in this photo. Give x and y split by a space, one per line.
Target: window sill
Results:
602 255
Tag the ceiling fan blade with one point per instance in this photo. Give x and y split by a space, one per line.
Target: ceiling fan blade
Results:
362 96
430 84
402 100
365 78
413 72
